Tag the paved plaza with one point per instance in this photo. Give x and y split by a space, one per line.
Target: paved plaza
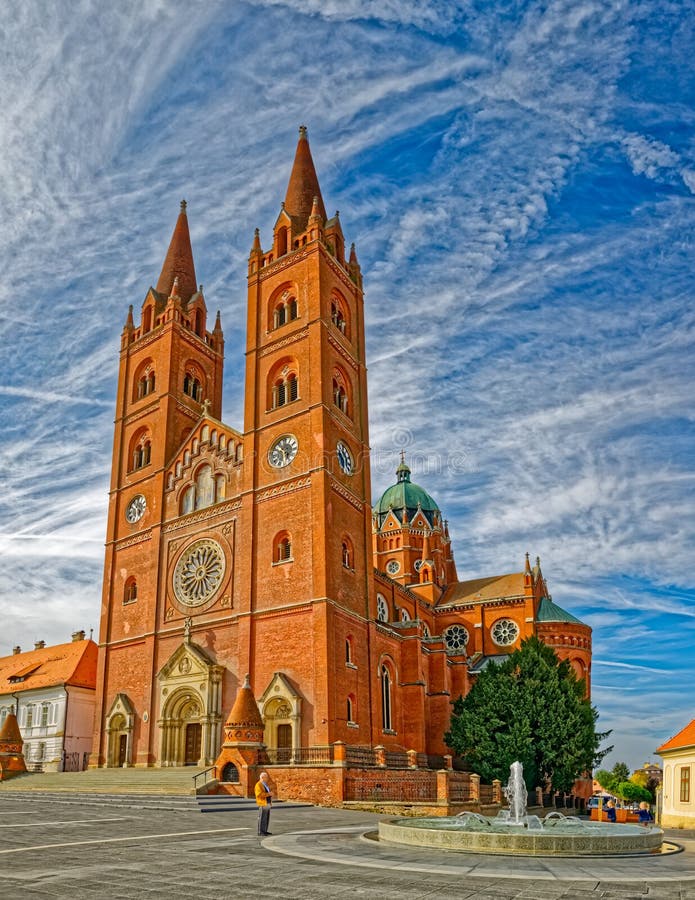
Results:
78 846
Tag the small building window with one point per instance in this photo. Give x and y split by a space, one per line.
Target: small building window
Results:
348 650
382 609
282 547
285 390
350 710
30 717
130 594
386 698
193 387
347 554
44 715
685 784
141 453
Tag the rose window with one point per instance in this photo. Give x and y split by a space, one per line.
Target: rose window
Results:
456 638
199 573
504 632
393 567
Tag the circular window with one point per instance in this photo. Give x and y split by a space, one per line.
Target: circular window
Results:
418 564
382 609
456 638
393 567
199 573
504 632
405 615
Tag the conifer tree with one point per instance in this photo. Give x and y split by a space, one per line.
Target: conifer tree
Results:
531 708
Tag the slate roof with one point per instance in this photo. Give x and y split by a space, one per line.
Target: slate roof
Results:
551 612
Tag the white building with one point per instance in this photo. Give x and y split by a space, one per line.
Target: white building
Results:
52 689
679 769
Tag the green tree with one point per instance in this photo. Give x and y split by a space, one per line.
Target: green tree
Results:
530 708
621 772
631 792
606 779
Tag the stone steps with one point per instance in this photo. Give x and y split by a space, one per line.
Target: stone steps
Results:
173 781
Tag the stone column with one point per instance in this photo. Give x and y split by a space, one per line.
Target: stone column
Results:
412 759
496 791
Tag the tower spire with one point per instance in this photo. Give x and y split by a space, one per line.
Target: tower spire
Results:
303 185
179 261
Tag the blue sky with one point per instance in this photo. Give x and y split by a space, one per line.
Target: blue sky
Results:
519 179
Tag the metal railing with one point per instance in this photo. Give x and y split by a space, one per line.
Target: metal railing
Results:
420 790
300 756
204 775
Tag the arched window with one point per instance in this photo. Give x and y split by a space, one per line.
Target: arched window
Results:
146 320
198 322
291 309
281 241
283 308
382 609
405 615
347 553
220 487
141 452
280 315
339 315
204 488
282 547
350 711
385 698
130 593
188 500
230 774
192 386
340 392
285 390
348 650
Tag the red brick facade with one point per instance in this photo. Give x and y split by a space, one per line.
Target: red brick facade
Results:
258 550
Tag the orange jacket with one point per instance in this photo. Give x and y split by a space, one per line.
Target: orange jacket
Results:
263 796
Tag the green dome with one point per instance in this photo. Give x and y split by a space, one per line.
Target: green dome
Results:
404 495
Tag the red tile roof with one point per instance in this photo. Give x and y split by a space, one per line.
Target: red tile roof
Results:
74 663
684 738
480 590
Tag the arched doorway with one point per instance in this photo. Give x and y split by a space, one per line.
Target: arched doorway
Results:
281 707
119 733
182 729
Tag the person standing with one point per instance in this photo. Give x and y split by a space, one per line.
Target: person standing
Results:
645 814
610 811
264 800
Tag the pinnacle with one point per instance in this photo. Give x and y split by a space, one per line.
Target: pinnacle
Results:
179 261
303 185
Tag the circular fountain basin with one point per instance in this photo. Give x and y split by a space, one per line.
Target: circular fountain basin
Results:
585 839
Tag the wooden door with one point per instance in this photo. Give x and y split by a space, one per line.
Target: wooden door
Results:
194 733
122 748
284 743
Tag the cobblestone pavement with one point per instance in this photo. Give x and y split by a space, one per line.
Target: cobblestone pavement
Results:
128 849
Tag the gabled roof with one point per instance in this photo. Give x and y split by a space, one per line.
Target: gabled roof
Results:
73 664
481 590
684 738
551 612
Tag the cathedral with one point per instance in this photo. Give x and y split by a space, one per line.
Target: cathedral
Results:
260 550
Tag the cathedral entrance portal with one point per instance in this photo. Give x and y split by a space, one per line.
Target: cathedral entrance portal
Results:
119 732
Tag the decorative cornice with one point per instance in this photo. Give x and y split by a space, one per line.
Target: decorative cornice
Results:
347 495
187 411
278 345
209 512
501 601
293 257
135 539
339 271
288 487
335 343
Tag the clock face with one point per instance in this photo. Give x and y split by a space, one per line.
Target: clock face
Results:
135 509
344 457
283 451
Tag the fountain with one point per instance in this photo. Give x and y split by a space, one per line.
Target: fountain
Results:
513 831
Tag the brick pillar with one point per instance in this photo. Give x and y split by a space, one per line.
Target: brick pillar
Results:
339 754
412 759
443 787
475 787
448 761
496 790
380 753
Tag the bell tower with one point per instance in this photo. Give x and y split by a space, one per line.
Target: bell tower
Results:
306 440
170 372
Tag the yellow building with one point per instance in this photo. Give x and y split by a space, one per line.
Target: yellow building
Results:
679 764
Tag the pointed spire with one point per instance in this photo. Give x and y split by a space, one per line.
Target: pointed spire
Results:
403 471
218 323
315 211
129 323
256 246
303 185
353 255
527 570
426 551
245 711
179 261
